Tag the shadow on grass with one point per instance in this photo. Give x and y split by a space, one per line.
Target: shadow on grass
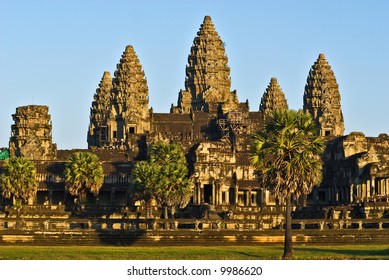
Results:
264 255
340 253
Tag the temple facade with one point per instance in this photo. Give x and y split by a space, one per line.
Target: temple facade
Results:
214 129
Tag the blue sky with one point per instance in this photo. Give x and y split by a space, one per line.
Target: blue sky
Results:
55 52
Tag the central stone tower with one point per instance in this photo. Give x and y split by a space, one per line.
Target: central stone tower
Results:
207 83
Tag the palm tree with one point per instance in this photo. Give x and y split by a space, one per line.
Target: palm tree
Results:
286 155
144 180
174 188
163 177
18 179
83 174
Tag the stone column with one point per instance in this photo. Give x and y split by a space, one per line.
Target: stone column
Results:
201 192
227 197
387 186
213 193
351 193
50 197
368 188
236 195
363 191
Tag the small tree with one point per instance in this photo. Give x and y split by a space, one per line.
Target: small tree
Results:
144 180
163 177
174 189
287 157
18 180
83 174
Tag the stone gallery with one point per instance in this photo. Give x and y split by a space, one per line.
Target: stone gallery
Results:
213 126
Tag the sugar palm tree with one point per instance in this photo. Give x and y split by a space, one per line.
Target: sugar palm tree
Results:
286 155
163 177
18 179
174 188
83 174
144 180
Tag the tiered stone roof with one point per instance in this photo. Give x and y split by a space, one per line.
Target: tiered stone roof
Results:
120 105
100 105
273 98
207 73
31 133
322 98
130 91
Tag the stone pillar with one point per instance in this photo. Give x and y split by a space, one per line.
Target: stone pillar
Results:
352 193
50 197
387 186
236 195
201 192
227 197
198 193
213 193
363 191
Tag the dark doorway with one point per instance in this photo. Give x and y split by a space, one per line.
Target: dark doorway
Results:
208 193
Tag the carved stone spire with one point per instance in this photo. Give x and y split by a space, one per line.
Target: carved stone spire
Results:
97 134
207 73
322 99
129 110
31 133
272 99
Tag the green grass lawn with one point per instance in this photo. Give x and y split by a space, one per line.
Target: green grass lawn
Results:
191 252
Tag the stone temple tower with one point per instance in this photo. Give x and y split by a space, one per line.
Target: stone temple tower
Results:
272 99
98 131
207 83
322 99
120 111
31 133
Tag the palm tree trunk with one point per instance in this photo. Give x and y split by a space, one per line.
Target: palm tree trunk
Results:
166 214
148 209
288 248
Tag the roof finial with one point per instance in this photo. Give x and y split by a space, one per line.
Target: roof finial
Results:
207 18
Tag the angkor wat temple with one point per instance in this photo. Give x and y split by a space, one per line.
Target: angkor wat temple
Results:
213 127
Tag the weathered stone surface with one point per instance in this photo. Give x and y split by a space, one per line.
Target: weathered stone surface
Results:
273 99
31 133
322 99
356 169
98 130
214 130
120 107
130 98
207 83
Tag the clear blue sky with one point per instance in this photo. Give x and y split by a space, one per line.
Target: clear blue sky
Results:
55 52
